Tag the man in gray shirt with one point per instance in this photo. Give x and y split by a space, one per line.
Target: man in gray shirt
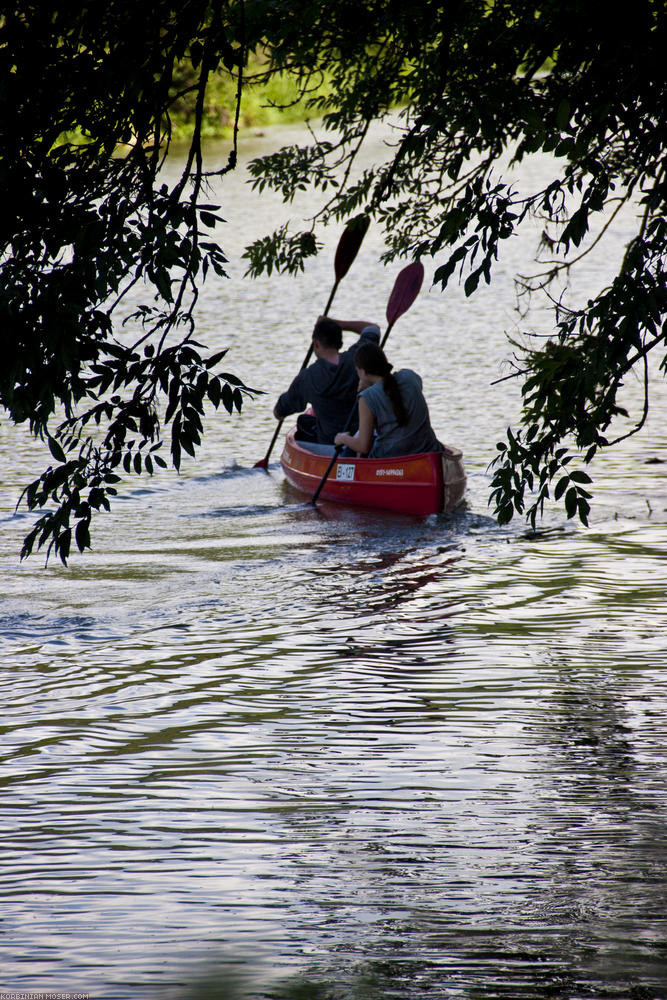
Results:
329 385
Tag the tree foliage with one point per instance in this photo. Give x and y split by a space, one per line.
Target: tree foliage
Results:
85 96
471 86
483 86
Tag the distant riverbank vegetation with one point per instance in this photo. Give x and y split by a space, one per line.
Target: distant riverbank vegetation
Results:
267 99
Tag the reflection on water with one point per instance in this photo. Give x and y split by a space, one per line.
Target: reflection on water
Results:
335 753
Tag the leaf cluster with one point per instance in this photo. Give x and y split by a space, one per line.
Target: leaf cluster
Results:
85 100
481 88
124 387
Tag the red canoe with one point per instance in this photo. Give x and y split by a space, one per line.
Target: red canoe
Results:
408 484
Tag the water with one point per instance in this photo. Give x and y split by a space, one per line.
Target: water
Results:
372 755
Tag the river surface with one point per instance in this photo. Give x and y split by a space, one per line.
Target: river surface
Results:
333 752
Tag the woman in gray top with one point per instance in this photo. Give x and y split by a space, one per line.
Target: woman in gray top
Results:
393 415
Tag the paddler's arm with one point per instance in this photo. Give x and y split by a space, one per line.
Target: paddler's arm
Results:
295 399
353 325
361 441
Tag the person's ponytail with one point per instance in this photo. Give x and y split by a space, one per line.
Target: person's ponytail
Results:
371 359
393 391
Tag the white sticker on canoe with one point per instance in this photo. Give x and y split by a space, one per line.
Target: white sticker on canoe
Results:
344 471
389 472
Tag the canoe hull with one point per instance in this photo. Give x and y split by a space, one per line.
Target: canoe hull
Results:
407 484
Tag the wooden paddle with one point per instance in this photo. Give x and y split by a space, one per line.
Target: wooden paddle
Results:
348 246
403 294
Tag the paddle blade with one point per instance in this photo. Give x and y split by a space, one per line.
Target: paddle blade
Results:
405 290
348 245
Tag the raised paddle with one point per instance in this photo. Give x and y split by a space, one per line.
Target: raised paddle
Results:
348 246
403 294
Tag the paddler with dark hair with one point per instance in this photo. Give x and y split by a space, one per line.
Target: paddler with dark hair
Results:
393 415
329 384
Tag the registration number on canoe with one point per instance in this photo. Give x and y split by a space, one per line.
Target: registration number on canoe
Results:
345 471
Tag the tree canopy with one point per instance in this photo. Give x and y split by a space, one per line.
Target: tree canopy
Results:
86 93
483 86
472 87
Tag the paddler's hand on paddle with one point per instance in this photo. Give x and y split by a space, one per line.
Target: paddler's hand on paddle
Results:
350 441
361 442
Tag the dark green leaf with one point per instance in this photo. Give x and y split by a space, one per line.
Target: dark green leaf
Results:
56 450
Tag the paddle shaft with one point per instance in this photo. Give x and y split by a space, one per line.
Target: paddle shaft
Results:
386 333
337 450
265 461
347 249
